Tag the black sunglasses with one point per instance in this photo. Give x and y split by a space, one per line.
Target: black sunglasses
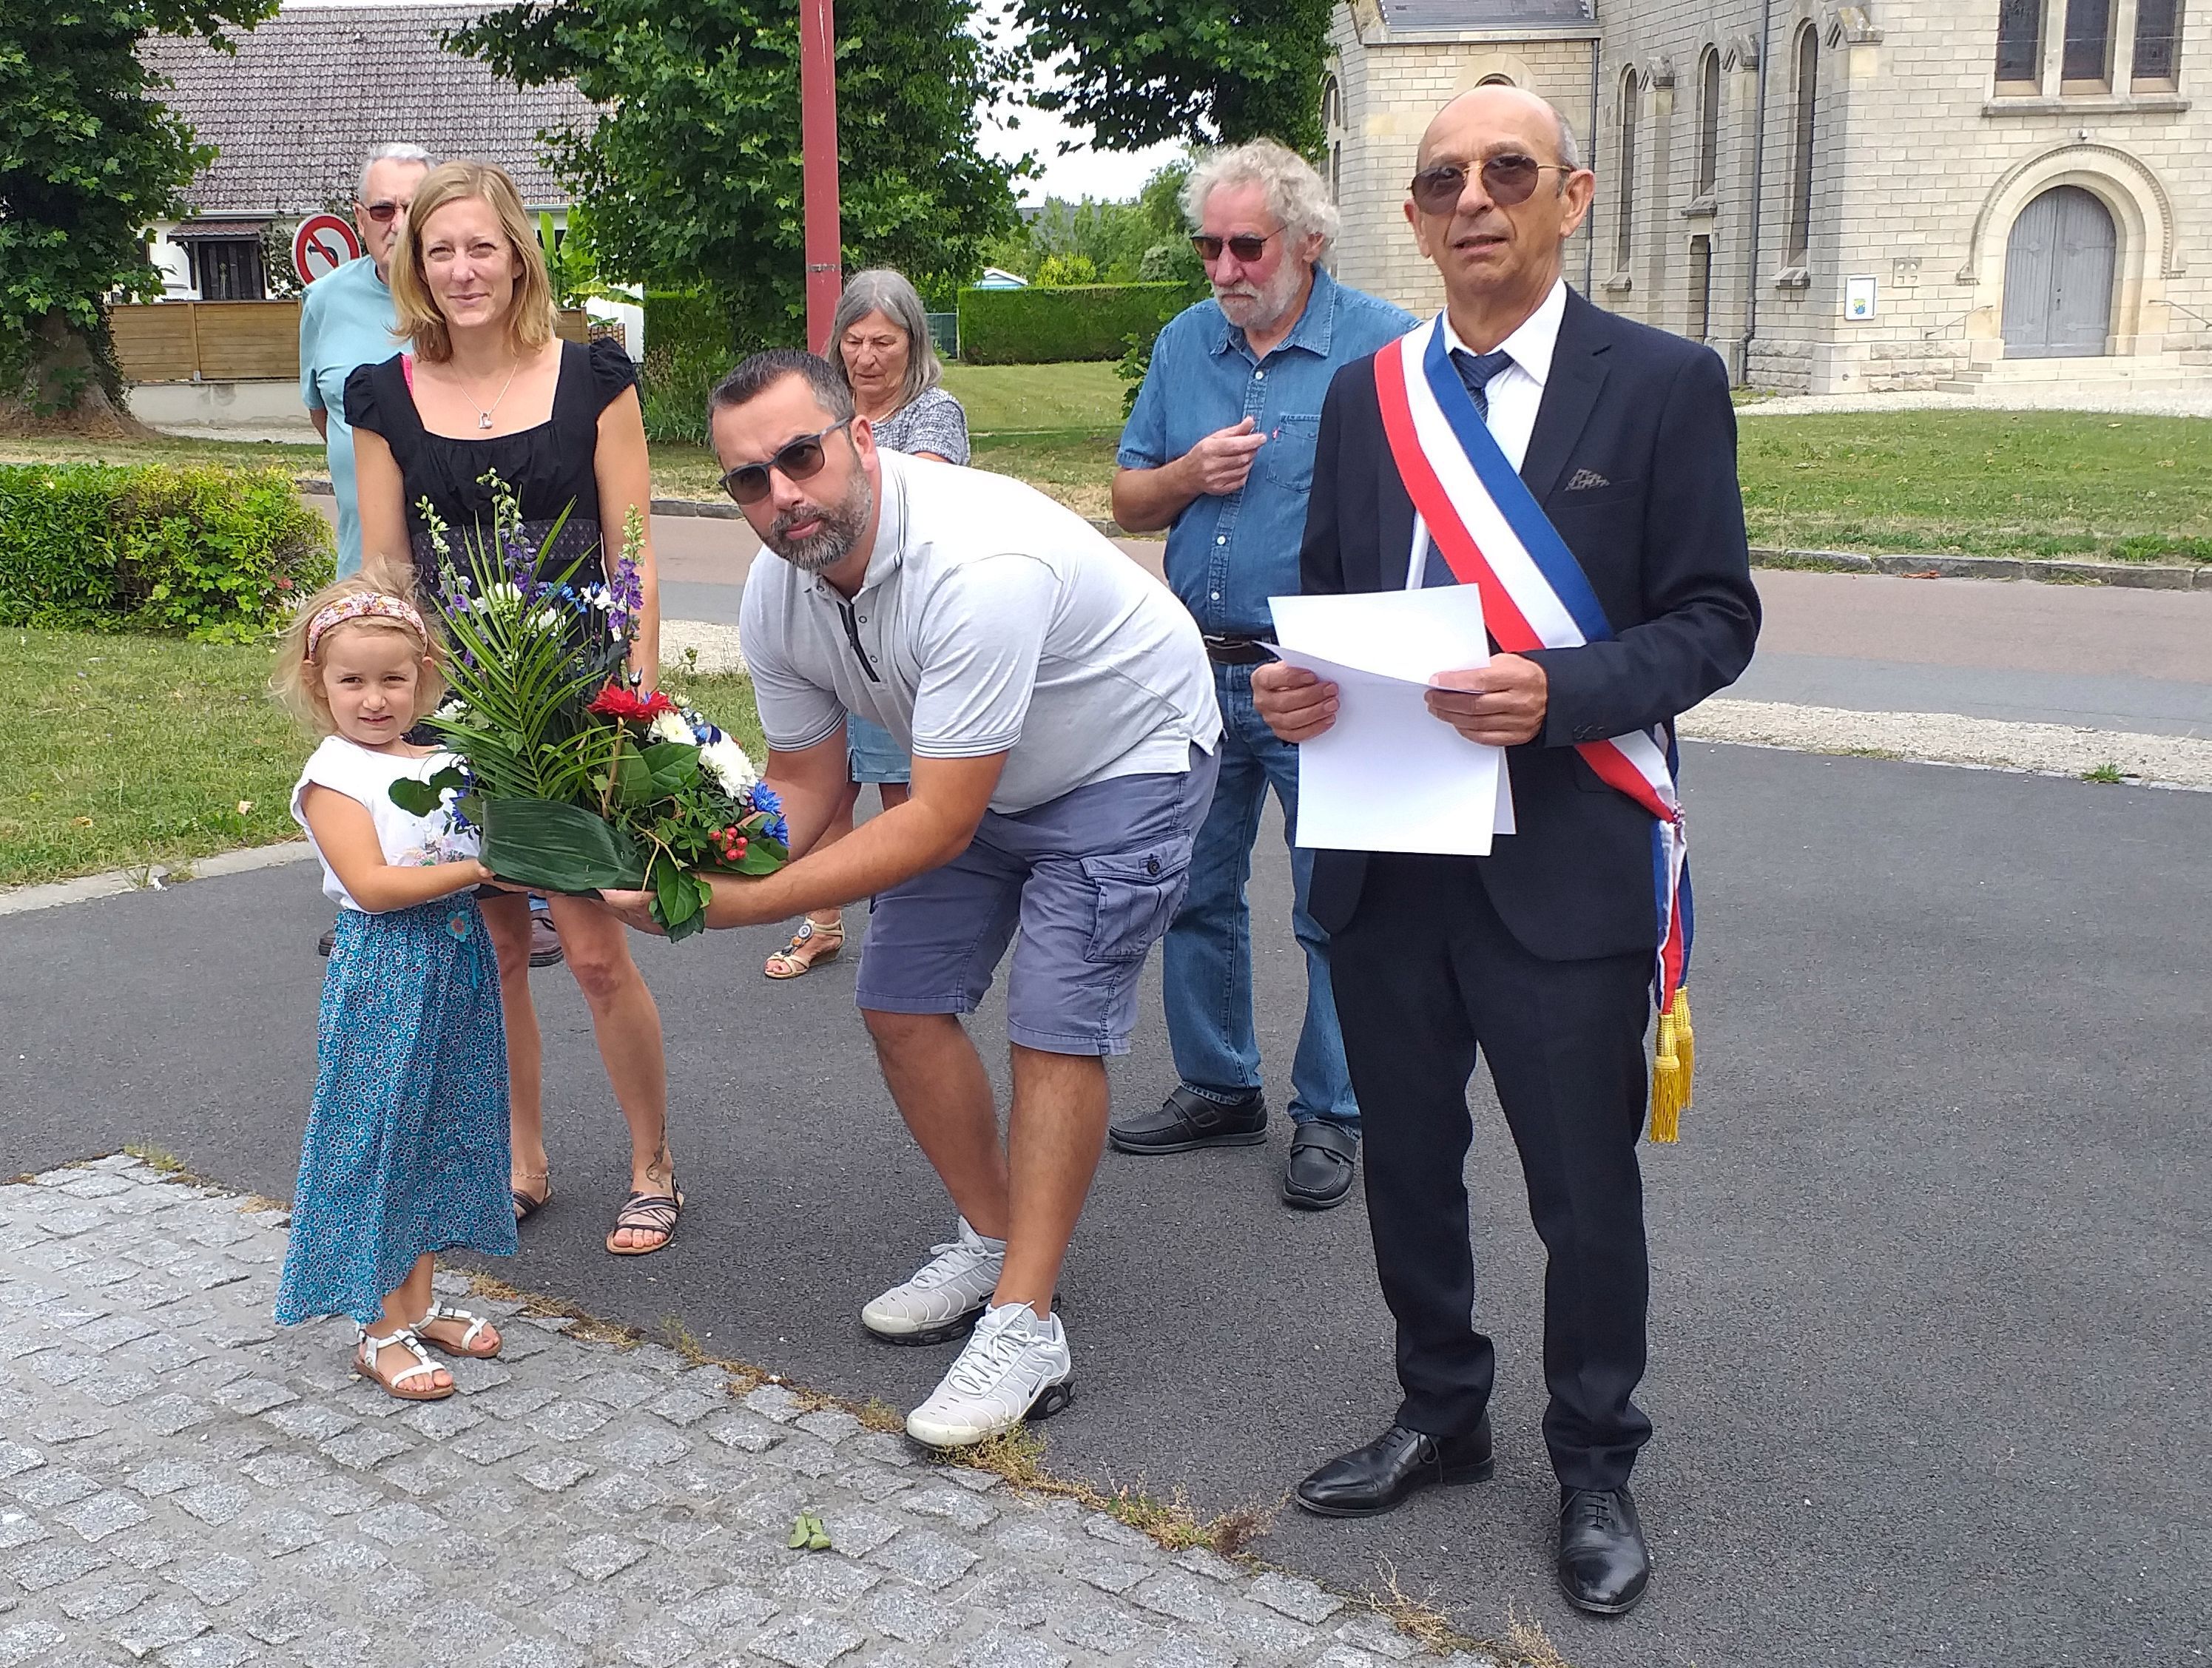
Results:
1244 246
801 460
1508 179
382 213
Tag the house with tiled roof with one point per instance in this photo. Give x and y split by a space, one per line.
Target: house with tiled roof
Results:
304 97
1836 197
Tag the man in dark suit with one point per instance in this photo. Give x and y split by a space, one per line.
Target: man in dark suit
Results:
1539 955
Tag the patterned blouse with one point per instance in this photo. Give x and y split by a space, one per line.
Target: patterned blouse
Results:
931 421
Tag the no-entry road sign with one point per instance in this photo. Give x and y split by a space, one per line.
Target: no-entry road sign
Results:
323 244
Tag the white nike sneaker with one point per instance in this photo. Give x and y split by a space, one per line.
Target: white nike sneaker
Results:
946 1295
1015 1367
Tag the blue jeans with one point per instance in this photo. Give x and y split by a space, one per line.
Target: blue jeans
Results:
1208 950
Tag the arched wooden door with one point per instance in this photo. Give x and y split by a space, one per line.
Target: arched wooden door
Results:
2059 277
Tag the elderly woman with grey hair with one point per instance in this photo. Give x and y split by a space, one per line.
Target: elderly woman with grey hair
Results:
883 348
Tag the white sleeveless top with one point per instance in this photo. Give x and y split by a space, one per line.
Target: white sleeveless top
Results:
409 841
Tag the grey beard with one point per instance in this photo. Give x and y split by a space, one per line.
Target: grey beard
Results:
840 532
1267 306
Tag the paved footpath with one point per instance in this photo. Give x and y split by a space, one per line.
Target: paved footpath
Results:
183 1481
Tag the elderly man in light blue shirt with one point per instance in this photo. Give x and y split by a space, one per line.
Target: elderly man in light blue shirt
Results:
347 320
1220 451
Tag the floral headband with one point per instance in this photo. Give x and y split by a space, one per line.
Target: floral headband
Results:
362 605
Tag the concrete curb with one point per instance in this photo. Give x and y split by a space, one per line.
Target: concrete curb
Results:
2129 575
153 877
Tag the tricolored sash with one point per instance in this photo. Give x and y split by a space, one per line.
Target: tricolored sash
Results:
1494 535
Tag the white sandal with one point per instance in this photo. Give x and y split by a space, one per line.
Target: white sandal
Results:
477 1327
370 1351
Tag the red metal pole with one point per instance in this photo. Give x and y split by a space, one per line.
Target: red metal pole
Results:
818 131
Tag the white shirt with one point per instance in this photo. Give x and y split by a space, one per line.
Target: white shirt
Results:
1516 392
367 777
990 620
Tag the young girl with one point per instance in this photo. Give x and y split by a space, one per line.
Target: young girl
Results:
406 1152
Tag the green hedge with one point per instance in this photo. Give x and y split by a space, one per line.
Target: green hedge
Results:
689 346
213 553
1037 326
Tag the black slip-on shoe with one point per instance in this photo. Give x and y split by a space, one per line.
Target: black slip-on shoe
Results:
1188 1119
1370 1481
1324 1158
1604 1565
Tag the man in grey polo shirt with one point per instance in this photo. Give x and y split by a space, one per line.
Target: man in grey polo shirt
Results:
1059 712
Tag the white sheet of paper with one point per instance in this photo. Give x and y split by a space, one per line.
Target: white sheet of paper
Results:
1388 776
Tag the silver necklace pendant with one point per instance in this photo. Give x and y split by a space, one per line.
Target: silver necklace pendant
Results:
483 420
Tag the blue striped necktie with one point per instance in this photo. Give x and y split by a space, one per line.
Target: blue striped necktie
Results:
1477 371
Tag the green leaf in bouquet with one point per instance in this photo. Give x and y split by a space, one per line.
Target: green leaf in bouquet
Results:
679 899
763 857
562 848
633 780
422 798
674 765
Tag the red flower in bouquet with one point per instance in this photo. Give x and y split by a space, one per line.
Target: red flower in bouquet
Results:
616 703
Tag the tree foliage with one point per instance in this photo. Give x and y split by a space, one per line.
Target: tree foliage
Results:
692 175
1142 72
89 158
1144 241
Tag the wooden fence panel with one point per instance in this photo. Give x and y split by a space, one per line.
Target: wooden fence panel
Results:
244 341
230 341
154 343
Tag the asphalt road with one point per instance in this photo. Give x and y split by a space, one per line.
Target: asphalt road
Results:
1931 1264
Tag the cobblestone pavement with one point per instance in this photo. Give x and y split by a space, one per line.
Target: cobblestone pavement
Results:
181 1480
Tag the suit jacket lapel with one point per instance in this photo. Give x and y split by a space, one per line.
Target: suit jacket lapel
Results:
1570 394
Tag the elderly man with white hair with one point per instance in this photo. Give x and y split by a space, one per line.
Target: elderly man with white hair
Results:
1220 451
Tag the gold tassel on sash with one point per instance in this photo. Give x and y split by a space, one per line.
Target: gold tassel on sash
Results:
1670 1068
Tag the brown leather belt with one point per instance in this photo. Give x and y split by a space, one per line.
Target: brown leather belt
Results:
1237 650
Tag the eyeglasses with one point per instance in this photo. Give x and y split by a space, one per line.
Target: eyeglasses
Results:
1246 247
1508 179
801 460
384 213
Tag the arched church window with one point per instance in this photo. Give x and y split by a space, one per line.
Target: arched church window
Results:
2158 43
2087 65
2020 43
1624 224
1806 94
1709 123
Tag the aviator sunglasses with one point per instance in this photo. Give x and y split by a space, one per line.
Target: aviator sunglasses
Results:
801 460
1246 247
382 213
1508 179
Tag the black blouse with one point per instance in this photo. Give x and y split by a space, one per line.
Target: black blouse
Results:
549 467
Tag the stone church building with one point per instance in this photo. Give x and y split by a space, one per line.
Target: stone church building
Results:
1896 194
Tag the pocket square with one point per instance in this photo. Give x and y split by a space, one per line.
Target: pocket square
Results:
1584 479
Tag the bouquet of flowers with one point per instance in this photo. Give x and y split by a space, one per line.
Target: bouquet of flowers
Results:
579 780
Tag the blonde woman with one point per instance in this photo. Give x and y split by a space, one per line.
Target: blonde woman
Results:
485 387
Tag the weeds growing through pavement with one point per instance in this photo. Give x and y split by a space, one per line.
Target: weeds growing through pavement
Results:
2105 773
1527 1644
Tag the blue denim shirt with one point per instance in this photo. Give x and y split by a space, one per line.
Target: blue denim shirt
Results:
1227 555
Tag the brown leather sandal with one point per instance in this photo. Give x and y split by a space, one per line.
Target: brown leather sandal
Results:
648 1213
811 945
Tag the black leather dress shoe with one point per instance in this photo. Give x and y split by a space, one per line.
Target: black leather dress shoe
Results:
1324 1157
1603 1563
1400 1462
1186 1119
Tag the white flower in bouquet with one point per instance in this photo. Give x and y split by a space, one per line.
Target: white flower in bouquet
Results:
725 761
671 727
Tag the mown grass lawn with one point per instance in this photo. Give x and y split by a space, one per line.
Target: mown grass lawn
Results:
121 751
2036 484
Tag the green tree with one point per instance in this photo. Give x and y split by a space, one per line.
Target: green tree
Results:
1139 72
89 158
691 177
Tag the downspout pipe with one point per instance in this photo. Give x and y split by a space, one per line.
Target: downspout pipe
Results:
1758 186
1590 229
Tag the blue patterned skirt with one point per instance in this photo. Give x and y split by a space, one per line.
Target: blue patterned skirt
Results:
406 1148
